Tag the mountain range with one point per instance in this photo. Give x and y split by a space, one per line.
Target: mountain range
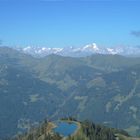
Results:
87 50
103 88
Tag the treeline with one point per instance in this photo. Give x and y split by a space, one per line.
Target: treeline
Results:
86 131
96 132
90 131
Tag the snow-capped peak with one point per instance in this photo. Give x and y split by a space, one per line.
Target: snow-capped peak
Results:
80 51
27 48
92 47
111 51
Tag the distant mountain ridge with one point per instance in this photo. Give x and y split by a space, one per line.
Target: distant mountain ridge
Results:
81 51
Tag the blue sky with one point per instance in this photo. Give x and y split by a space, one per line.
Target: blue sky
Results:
69 23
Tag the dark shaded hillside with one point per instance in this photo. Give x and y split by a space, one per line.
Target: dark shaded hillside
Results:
102 88
24 99
112 99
